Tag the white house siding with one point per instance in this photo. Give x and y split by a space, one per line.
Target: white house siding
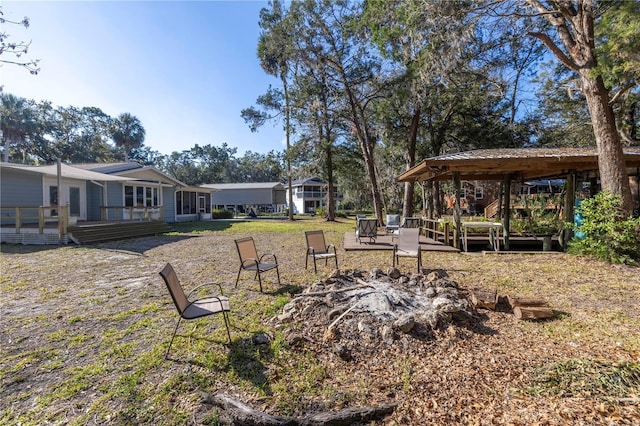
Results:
310 194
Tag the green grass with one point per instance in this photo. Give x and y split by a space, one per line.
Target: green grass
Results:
102 351
588 379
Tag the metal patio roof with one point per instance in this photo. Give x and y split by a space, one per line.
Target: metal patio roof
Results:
527 163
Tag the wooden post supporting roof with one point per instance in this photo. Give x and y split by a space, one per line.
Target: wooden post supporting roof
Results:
524 163
506 211
457 213
569 211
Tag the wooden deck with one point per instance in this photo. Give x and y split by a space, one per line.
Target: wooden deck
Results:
476 243
383 242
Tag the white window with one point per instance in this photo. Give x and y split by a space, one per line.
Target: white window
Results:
140 196
478 193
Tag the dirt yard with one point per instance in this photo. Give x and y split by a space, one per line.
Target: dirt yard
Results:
84 330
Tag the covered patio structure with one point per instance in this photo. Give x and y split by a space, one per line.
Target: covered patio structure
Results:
509 165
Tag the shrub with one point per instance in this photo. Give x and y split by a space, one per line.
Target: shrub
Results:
606 232
540 215
221 214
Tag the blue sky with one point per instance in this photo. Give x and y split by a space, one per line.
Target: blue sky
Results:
185 69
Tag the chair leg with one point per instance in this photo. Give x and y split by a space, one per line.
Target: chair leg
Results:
166 355
315 268
226 324
238 278
259 277
278 272
306 261
336 258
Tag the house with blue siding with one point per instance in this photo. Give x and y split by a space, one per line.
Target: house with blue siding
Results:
100 192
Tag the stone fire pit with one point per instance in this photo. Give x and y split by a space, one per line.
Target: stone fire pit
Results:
354 310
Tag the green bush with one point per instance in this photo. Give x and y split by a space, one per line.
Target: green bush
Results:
606 232
221 214
541 215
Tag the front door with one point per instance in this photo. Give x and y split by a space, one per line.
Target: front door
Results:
74 201
72 195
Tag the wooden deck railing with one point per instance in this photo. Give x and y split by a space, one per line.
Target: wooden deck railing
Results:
518 203
434 228
21 216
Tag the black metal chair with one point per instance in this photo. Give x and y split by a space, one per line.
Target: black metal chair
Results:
367 228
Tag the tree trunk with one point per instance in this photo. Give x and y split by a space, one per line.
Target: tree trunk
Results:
629 130
287 154
7 144
575 27
367 145
611 164
331 204
373 178
437 198
408 207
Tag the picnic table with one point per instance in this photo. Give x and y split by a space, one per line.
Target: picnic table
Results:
494 233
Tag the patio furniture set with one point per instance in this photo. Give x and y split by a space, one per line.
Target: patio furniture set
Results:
190 306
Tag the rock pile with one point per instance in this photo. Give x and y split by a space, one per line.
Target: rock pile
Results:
350 309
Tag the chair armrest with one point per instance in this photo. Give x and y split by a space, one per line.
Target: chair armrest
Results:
275 260
195 289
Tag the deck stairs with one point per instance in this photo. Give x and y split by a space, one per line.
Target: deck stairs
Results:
96 233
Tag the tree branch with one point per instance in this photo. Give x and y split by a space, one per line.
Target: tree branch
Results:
546 40
621 92
543 11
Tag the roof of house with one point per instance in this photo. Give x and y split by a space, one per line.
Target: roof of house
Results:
70 172
130 168
110 168
241 186
528 163
315 180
